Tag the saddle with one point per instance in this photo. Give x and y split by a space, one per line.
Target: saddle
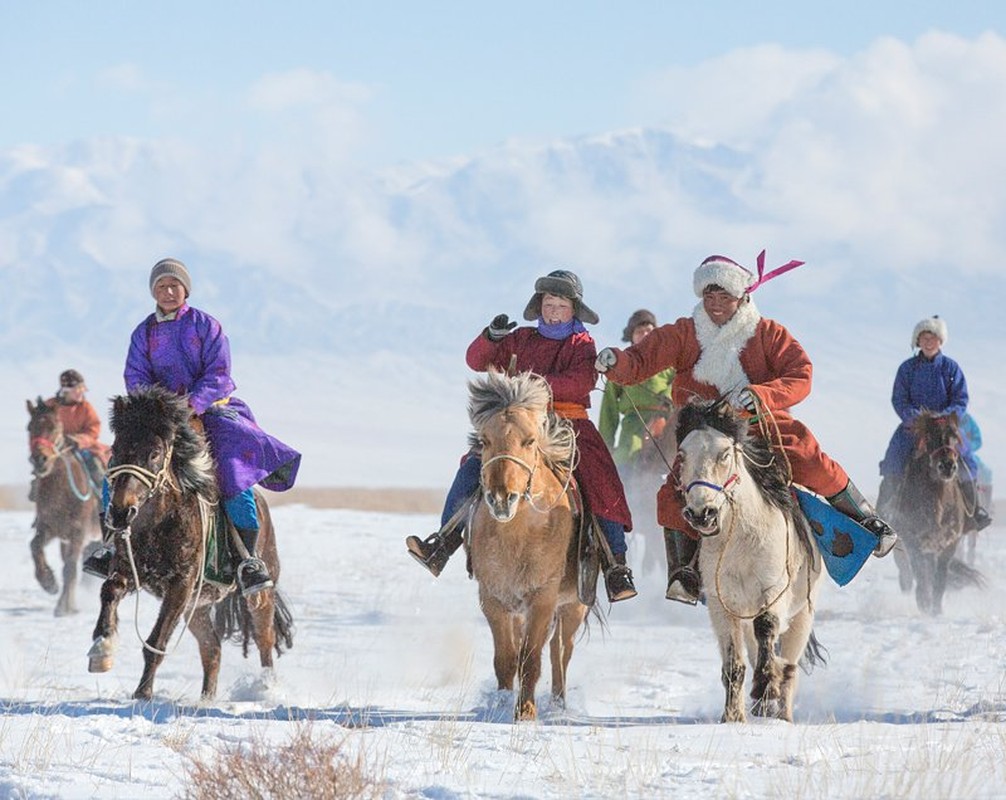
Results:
221 552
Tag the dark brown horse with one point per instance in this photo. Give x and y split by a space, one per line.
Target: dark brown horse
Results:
65 506
523 543
930 513
163 491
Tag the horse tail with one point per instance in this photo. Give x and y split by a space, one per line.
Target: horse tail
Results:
233 622
961 576
813 655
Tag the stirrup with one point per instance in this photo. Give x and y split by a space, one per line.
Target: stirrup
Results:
618 583
684 586
99 563
431 552
253 577
886 537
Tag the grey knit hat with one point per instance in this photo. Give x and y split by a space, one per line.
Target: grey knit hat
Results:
640 317
561 283
170 268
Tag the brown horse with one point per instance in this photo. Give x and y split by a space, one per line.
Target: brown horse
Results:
522 543
930 513
163 492
65 506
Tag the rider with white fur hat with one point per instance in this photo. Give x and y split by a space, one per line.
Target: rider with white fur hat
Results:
933 381
726 348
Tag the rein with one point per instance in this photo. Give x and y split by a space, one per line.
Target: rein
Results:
155 483
63 452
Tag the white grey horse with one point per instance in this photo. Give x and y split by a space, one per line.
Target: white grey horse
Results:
760 571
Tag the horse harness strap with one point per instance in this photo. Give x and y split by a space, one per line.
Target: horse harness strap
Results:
154 481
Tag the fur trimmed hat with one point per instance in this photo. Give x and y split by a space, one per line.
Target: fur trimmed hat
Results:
933 325
641 317
69 378
170 268
725 273
561 283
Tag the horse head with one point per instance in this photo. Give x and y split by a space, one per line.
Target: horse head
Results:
715 451
45 437
154 450
515 432
937 445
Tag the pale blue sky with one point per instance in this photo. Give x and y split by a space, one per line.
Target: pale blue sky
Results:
423 79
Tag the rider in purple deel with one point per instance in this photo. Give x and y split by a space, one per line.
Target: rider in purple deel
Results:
185 350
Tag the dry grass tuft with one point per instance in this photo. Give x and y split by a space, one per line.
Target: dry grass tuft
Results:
304 768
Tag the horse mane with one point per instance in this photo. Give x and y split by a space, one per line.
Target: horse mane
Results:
767 468
497 392
156 411
929 422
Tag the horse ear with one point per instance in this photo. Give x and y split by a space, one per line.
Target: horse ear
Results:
31 408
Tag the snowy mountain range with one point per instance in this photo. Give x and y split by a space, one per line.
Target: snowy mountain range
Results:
350 297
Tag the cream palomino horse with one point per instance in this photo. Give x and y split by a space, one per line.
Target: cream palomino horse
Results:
522 546
759 569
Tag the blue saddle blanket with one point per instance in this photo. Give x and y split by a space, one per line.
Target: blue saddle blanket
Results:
844 544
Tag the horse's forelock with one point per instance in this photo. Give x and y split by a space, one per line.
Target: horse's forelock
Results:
716 414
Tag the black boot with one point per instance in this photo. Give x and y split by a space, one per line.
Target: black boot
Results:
252 574
850 501
980 518
618 580
433 551
99 563
684 584
33 490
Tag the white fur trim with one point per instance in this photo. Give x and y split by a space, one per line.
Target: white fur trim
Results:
724 273
720 363
935 326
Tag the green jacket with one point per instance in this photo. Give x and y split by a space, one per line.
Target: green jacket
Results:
652 398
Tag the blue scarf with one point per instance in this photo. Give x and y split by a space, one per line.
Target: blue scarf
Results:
560 330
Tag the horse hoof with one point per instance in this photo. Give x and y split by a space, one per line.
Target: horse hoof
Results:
48 582
100 663
526 712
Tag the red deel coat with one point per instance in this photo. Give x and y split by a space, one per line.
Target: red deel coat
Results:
779 372
568 366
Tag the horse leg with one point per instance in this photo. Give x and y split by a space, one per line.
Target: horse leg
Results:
43 572
105 639
940 570
569 618
792 646
731 642
262 608
767 678
540 617
70 551
904 565
501 624
174 602
923 571
201 626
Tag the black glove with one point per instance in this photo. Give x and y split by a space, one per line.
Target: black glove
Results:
222 410
499 327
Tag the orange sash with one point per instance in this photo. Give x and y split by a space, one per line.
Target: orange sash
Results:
569 410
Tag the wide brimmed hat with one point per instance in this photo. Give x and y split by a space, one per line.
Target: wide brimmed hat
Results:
640 317
933 325
170 268
561 283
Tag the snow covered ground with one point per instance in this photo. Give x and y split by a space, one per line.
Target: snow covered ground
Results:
398 665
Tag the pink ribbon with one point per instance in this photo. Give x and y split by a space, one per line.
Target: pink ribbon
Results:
763 278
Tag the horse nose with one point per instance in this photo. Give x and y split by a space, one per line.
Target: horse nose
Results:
502 509
121 517
704 519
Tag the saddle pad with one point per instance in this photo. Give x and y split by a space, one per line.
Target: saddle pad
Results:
218 567
844 544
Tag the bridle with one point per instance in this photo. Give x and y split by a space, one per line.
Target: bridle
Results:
531 469
154 481
55 447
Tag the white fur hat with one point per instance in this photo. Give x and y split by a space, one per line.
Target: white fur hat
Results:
933 325
725 273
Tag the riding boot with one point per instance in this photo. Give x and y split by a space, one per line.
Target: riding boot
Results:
980 518
252 574
850 501
684 584
99 563
433 551
618 580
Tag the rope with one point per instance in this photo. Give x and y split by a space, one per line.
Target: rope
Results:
646 427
